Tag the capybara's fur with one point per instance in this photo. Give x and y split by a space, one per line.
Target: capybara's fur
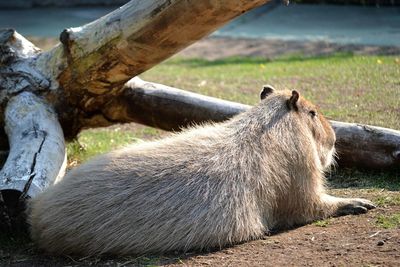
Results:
207 187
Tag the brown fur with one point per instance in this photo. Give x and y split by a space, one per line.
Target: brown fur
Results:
209 186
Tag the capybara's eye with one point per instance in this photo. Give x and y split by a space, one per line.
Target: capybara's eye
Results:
313 113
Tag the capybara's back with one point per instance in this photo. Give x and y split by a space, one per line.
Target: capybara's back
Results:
207 187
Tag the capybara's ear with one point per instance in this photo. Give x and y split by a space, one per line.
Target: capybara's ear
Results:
267 90
292 102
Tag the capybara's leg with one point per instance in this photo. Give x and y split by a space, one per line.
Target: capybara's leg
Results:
346 206
353 206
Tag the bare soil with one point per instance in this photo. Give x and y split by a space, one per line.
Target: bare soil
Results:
212 48
217 48
344 241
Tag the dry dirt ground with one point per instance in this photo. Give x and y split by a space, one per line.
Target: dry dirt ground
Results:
344 241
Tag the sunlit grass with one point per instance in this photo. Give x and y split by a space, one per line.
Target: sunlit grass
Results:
389 221
97 141
321 223
352 88
385 201
92 142
364 89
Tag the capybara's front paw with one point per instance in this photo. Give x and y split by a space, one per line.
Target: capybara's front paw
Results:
354 206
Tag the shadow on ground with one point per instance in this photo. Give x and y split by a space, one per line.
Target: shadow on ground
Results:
361 179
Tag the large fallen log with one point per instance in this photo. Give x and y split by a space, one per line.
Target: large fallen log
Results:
169 108
70 85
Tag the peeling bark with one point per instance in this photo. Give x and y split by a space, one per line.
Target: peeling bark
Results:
37 152
35 137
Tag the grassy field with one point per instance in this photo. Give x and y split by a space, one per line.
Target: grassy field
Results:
363 89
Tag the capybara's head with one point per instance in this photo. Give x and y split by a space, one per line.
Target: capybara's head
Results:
305 120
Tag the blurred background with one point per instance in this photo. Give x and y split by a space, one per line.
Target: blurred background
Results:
359 22
370 22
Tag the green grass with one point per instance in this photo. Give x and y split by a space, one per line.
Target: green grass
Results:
353 178
385 201
352 88
92 142
321 223
97 141
147 261
389 221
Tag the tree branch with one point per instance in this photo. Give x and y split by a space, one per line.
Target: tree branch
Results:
166 107
96 60
367 146
37 150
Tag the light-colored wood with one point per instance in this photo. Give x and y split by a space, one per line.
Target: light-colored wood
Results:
37 148
37 156
36 142
101 56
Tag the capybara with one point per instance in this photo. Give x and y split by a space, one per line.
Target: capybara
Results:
210 186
